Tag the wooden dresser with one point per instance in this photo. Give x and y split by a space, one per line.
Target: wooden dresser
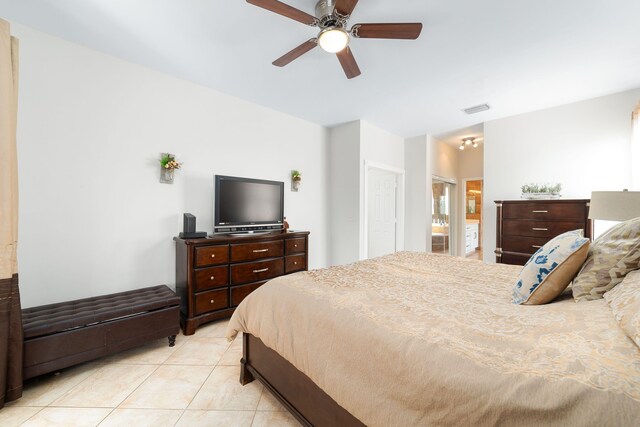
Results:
215 274
523 226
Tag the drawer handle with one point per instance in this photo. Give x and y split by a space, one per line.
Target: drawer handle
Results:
255 251
261 270
536 246
540 229
212 277
540 211
295 262
212 301
213 255
295 246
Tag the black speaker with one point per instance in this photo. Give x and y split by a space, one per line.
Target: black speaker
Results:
189 223
189 228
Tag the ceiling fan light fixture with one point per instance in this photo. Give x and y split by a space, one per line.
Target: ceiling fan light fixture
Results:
333 39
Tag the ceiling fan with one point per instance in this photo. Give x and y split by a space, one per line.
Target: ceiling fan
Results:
331 17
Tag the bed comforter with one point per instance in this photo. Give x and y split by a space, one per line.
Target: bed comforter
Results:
423 339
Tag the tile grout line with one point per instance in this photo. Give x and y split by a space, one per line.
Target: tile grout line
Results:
106 416
179 418
141 382
36 413
77 385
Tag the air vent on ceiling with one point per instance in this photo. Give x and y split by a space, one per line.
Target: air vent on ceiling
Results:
477 109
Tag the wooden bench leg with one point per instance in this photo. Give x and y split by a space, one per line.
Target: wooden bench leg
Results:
172 340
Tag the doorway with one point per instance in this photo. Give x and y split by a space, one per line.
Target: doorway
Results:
473 218
441 222
384 202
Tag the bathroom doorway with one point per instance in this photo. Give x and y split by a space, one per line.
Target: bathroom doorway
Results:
473 190
441 214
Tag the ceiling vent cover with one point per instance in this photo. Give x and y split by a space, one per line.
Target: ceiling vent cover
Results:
477 109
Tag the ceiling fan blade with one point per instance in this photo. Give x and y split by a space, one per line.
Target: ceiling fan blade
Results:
348 62
345 7
285 10
387 31
295 53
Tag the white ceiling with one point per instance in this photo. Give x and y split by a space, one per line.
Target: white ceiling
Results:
517 55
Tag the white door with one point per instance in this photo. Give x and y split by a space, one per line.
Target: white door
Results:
381 212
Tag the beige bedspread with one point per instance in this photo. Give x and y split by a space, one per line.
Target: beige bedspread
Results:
420 339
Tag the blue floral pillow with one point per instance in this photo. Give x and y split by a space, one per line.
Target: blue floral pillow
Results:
550 270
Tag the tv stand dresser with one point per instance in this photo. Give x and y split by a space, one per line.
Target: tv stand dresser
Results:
214 274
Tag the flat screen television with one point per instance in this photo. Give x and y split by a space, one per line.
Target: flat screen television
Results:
246 205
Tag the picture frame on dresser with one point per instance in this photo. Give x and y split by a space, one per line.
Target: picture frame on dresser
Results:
214 274
523 226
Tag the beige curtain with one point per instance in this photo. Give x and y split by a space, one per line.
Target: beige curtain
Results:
635 150
11 340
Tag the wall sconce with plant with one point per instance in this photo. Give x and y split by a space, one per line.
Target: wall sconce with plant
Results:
168 165
296 179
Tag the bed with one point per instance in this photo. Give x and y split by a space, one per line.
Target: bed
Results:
425 339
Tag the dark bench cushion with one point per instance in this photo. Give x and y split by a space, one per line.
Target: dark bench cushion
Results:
53 318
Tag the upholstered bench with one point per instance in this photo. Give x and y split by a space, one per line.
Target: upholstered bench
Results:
60 335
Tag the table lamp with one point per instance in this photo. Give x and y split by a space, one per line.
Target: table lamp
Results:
614 205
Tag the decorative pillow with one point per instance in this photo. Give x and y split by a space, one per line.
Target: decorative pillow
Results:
624 301
612 256
550 270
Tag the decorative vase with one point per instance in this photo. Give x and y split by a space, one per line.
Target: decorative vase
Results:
295 184
166 175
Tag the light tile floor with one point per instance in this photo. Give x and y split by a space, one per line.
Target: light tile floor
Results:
195 383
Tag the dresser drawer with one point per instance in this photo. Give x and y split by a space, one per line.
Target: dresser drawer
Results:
294 263
525 245
212 300
256 271
238 293
545 211
547 229
295 246
212 255
252 251
212 277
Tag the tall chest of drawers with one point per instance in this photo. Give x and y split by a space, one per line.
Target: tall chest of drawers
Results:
523 226
215 274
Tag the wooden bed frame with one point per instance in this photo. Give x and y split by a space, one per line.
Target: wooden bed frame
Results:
301 396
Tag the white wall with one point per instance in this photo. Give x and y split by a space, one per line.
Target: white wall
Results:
351 145
585 146
383 148
418 190
93 217
444 160
345 193
471 163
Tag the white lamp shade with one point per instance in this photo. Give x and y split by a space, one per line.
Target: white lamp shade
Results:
614 205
